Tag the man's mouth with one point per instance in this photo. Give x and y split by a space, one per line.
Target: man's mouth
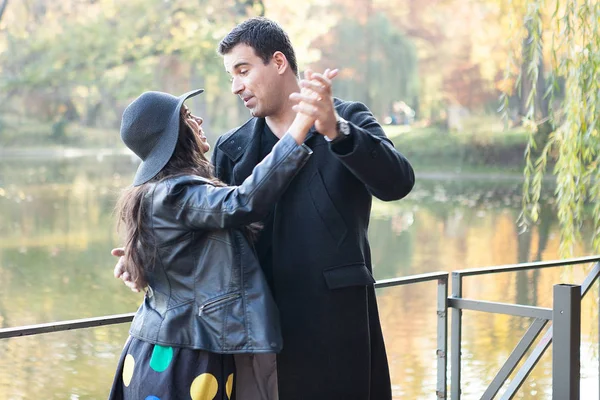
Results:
247 99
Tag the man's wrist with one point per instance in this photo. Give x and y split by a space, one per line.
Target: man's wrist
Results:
342 131
332 136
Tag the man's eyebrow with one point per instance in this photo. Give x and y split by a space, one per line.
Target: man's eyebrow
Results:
237 66
241 64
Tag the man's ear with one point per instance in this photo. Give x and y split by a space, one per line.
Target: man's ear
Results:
280 61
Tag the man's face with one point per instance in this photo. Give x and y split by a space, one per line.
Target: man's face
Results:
254 82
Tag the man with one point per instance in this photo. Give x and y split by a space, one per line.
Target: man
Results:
333 345
323 284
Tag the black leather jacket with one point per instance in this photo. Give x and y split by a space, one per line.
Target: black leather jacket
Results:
206 289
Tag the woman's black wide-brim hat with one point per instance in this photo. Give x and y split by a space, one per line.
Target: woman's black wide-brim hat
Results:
150 127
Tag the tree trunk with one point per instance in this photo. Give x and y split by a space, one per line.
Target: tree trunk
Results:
92 113
2 8
526 84
544 128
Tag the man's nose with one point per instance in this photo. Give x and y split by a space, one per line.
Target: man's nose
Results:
236 86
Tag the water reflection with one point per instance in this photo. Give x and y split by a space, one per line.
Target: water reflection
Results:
75 364
56 228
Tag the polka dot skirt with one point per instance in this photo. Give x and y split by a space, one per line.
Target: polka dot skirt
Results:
153 372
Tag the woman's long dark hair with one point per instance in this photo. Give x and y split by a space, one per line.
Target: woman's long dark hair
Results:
188 159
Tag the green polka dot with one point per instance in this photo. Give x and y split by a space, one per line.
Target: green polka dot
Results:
161 358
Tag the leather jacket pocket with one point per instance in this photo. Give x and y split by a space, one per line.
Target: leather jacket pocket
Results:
216 302
348 275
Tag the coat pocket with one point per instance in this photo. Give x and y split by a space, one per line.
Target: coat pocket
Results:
348 275
326 209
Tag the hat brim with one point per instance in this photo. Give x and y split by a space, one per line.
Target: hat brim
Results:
164 148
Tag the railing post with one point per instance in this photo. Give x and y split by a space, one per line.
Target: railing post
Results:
456 338
567 340
442 338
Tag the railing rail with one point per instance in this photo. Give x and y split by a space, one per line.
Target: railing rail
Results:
37 329
6 333
527 266
565 299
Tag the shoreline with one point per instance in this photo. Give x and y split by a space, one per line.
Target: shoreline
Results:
60 152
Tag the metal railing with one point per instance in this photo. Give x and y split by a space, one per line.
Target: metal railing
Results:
28 330
566 318
442 320
565 315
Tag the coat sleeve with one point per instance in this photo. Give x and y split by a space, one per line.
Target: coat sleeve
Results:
371 156
204 206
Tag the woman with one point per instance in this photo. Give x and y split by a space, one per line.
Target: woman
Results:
188 241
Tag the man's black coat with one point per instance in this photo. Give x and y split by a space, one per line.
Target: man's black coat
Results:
333 346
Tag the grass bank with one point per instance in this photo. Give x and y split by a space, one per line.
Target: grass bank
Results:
482 146
479 149
19 132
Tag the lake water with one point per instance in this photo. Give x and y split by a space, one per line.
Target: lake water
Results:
57 228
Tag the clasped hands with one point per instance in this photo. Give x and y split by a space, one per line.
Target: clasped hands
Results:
316 100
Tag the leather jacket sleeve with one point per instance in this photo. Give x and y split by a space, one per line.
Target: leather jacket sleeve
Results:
204 206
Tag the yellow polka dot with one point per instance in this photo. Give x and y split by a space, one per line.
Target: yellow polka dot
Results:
128 366
229 385
204 387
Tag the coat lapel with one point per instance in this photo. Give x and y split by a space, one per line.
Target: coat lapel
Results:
242 147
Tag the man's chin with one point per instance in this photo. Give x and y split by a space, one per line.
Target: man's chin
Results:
256 113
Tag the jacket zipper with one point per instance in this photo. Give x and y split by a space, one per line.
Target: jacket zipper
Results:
213 303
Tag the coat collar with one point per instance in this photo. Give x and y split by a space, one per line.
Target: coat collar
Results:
242 147
235 143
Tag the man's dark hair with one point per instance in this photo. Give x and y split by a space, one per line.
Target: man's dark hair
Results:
264 36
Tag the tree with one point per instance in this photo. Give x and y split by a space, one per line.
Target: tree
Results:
567 133
378 68
83 61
